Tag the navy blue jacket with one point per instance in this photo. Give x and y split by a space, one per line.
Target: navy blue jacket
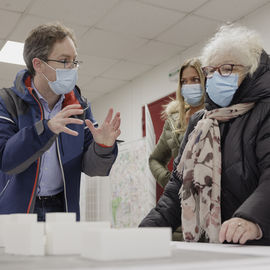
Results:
25 136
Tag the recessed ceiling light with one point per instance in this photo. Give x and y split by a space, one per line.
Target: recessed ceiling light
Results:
12 52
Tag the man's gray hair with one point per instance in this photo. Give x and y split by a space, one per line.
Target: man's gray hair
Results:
233 43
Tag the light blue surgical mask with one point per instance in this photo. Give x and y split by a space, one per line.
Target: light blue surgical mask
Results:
222 89
192 94
65 82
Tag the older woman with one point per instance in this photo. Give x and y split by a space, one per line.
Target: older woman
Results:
222 171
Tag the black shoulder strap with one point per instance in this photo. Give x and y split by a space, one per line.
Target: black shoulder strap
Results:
7 97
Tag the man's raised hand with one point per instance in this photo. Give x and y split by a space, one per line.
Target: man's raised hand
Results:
108 132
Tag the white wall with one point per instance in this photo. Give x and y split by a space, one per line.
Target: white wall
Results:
155 84
260 21
129 99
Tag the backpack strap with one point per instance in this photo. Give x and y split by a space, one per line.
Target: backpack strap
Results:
13 104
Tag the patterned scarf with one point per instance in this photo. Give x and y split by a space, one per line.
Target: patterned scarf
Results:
200 169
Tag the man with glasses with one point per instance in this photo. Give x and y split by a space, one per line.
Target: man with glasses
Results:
47 132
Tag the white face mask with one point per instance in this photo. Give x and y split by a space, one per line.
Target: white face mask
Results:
65 82
192 94
222 89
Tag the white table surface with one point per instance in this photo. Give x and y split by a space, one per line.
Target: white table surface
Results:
184 256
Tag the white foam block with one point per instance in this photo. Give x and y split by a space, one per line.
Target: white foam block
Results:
65 238
62 238
124 244
60 217
96 225
3 221
22 218
16 219
25 239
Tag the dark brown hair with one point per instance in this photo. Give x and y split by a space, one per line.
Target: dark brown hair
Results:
41 40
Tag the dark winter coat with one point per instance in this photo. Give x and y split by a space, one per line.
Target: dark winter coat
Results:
245 146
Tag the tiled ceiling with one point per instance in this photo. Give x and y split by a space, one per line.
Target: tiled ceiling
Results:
120 40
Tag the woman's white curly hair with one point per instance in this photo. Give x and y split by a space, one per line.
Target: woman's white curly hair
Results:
233 43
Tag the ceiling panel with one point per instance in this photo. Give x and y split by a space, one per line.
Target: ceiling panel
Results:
108 44
125 70
29 22
100 85
14 5
119 40
79 12
8 21
93 65
104 85
259 21
181 5
184 34
84 79
138 19
229 10
154 53
91 96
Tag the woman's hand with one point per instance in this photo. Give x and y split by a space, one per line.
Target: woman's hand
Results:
239 230
109 130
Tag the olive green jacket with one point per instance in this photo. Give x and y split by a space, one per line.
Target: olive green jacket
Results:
167 146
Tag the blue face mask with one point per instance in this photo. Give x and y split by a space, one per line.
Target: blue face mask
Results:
192 94
222 89
65 82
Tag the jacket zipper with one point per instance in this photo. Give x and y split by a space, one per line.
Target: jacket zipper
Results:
33 195
61 144
5 187
62 171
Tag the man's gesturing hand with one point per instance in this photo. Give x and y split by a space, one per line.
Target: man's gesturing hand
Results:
58 123
109 130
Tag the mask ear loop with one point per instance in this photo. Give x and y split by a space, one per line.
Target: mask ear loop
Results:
44 74
45 77
48 65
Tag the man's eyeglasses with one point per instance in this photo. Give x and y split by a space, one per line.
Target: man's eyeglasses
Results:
67 64
224 70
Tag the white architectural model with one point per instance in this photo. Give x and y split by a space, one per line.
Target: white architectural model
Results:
22 234
128 243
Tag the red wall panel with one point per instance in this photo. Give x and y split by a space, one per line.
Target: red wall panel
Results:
155 109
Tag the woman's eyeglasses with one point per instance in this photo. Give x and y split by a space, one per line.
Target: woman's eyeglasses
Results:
224 70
